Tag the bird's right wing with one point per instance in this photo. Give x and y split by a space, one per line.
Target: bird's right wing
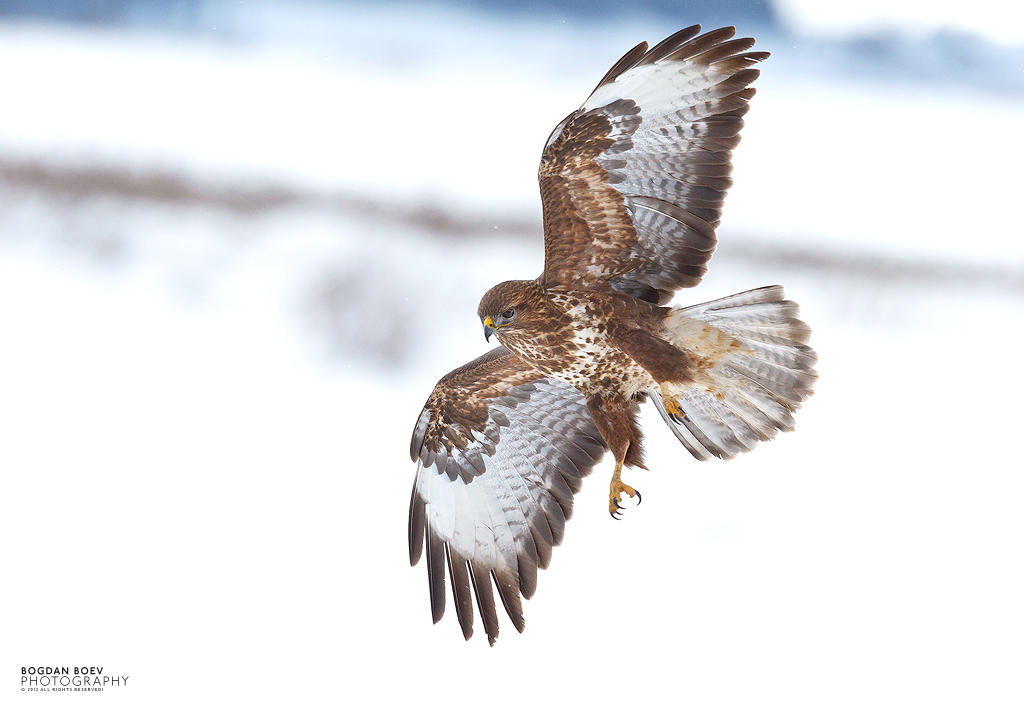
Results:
500 452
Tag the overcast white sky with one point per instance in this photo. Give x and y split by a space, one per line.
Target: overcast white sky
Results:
1000 20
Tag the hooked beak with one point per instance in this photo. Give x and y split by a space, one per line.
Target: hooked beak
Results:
488 328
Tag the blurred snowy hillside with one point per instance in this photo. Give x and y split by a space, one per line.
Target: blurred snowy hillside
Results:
240 241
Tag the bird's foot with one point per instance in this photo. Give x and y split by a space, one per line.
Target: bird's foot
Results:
671 406
616 490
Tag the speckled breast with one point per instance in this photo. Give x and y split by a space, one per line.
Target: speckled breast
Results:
581 354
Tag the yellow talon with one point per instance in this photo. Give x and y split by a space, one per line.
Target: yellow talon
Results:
616 489
671 406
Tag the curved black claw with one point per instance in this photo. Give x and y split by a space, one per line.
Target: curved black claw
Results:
638 497
614 513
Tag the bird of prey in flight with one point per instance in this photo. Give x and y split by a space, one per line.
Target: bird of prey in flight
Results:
632 185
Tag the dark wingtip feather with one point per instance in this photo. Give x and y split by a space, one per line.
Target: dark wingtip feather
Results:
670 44
435 575
510 599
527 575
628 60
702 43
417 516
418 433
459 573
725 50
485 603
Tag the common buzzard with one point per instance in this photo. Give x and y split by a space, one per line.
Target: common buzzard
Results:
632 185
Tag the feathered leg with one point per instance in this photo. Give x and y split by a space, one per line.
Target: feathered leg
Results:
616 421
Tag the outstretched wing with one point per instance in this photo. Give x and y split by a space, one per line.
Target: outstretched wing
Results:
633 182
501 451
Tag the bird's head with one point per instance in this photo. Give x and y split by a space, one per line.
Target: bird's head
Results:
510 307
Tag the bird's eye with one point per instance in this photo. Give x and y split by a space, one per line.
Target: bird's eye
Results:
509 314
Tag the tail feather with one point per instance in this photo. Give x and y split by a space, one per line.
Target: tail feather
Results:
752 371
786 383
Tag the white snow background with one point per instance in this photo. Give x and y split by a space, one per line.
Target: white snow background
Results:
232 270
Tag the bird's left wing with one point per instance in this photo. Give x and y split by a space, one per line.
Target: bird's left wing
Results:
633 182
500 452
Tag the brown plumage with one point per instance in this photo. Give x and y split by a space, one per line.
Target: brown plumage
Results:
632 185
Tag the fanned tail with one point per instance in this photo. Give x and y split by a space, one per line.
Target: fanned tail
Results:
753 369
